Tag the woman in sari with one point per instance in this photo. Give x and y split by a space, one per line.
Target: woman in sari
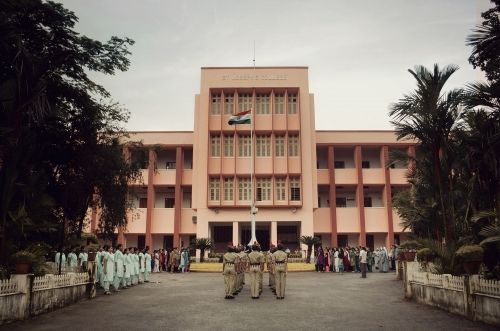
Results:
345 259
320 259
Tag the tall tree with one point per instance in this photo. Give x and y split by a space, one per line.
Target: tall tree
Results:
429 115
485 42
59 131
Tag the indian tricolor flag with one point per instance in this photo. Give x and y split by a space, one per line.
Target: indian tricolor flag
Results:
243 117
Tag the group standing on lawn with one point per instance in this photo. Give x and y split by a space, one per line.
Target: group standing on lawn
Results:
348 259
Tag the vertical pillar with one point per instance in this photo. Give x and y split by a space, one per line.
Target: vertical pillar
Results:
388 198
179 165
121 237
93 220
236 234
274 233
151 197
360 196
332 196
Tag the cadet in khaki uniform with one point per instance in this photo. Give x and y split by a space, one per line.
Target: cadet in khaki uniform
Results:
281 267
256 261
243 263
229 261
270 268
237 269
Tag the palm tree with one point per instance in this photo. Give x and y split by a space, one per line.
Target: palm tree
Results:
430 116
310 241
202 244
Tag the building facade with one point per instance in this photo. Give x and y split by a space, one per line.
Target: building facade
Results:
332 184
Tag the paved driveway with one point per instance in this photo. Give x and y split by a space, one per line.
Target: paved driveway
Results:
195 302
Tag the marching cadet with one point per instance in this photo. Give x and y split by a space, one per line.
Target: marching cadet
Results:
228 270
119 259
281 267
83 257
147 264
270 268
141 267
256 261
131 261
98 258
126 265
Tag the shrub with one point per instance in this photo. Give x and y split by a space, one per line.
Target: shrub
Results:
470 253
410 246
23 257
425 254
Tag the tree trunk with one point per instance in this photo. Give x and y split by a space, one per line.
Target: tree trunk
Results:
309 251
202 255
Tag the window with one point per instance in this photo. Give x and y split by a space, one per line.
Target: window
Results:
143 202
228 104
280 184
279 103
367 201
244 146
295 189
141 241
263 146
341 202
292 103
170 165
244 102
339 164
216 104
228 189
262 104
214 189
263 189
293 145
169 202
169 198
244 189
228 146
279 146
215 145
365 164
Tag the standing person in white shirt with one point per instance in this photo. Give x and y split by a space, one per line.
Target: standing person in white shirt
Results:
141 267
363 261
119 266
83 258
147 266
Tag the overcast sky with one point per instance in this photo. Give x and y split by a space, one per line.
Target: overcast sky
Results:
358 52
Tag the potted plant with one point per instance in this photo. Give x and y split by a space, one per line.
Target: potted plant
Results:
471 257
23 261
409 249
92 251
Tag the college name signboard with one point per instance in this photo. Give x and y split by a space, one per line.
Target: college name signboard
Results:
255 77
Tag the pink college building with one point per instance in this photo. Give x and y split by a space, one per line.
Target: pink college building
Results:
332 184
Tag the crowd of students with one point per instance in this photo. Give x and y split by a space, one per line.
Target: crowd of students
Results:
114 267
176 260
347 259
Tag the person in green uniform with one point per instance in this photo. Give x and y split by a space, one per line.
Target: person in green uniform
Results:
281 262
229 260
256 261
119 259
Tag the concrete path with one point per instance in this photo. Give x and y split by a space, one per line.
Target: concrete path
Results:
314 301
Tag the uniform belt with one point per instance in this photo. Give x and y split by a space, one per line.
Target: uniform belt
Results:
254 263
280 262
229 263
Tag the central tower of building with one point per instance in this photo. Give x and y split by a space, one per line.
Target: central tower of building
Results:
283 152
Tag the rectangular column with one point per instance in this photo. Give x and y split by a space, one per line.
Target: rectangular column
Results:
151 197
236 234
360 196
179 163
332 196
388 196
274 233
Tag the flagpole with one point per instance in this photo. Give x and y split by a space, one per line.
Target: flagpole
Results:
253 210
